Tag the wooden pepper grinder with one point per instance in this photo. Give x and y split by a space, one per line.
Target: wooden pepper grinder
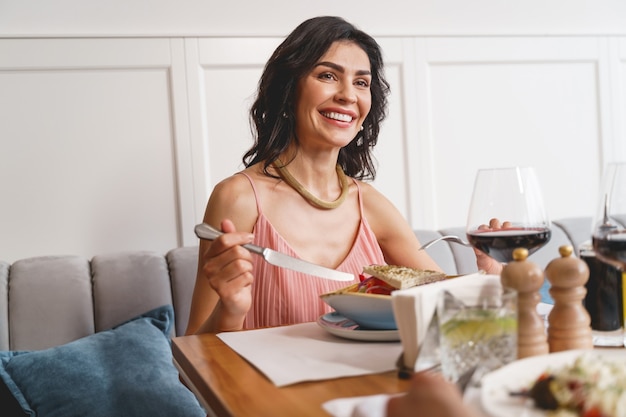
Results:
527 279
568 322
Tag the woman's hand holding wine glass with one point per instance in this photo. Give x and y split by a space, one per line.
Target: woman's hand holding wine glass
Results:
512 194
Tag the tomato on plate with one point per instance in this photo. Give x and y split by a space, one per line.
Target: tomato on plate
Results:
373 285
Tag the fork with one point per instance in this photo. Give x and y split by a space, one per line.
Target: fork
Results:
449 238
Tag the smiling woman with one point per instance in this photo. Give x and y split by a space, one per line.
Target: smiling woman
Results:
316 118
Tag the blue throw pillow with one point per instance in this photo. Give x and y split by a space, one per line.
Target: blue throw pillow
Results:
125 371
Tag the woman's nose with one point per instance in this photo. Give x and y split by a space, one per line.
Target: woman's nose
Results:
346 94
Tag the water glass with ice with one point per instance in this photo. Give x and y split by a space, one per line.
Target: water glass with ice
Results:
477 328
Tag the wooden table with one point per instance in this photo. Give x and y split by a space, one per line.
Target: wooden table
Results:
228 385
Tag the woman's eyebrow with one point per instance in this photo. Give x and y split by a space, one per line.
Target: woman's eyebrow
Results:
340 68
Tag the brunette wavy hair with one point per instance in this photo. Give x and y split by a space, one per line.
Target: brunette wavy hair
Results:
272 117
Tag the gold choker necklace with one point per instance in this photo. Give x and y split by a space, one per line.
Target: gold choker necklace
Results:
293 183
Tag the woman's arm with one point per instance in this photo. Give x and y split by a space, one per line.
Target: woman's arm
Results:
221 296
395 236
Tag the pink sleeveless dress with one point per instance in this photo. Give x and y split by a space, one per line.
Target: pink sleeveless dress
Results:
281 296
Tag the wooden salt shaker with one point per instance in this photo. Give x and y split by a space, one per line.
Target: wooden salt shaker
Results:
568 322
527 279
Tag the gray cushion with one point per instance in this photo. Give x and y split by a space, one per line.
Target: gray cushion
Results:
127 284
577 229
4 305
46 294
183 264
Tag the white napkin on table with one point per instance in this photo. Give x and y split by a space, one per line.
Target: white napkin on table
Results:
306 352
366 406
376 405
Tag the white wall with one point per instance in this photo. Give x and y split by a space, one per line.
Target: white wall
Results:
118 118
278 17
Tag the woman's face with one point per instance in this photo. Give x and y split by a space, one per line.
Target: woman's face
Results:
334 98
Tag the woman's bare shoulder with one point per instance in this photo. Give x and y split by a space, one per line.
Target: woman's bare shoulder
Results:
233 198
372 198
234 184
380 212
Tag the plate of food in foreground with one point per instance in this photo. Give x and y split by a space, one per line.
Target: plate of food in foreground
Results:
336 324
368 303
585 383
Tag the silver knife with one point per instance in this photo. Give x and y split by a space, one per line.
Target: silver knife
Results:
207 232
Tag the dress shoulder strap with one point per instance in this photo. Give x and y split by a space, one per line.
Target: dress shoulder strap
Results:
358 187
256 195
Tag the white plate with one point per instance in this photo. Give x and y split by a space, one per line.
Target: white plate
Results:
521 374
336 324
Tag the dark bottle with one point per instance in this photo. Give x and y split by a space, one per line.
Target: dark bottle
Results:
604 293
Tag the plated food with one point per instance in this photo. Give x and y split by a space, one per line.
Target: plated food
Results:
590 386
589 383
401 277
368 303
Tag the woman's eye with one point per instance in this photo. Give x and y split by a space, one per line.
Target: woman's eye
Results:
363 83
327 76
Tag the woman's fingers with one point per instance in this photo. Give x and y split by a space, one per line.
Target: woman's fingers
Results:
226 259
495 224
228 264
229 272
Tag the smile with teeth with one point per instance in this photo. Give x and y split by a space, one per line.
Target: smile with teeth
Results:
338 116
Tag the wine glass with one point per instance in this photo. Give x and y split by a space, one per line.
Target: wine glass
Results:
609 234
607 262
513 196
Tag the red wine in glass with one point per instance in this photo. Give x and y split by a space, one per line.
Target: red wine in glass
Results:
507 212
610 247
500 244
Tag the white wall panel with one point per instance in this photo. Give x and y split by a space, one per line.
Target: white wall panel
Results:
618 82
509 101
223 76
87 151
391 153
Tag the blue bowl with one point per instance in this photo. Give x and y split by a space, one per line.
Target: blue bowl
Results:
369 311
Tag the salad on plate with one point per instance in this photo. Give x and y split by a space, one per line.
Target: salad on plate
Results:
590 386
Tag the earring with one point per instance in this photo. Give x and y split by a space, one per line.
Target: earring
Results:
361 128
285 115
